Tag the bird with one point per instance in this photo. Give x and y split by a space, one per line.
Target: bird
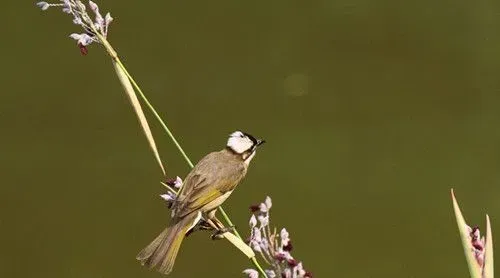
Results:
204 189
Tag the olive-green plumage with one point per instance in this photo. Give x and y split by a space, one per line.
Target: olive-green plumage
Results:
205 188
211 180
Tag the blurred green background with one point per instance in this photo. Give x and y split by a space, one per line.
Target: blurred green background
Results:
372 111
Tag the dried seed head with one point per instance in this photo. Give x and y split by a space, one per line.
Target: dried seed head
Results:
92 28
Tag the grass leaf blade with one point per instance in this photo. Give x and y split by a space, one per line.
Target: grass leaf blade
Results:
236 241
474 267
134 101
488 258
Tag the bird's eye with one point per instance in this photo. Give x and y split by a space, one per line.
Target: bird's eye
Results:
242 136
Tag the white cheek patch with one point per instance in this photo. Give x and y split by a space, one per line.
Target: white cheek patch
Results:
238 144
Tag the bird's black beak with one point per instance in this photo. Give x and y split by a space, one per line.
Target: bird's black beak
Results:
260 142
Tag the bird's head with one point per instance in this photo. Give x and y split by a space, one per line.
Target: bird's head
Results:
243 144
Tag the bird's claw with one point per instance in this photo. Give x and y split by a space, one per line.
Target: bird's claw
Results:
219 234
203 225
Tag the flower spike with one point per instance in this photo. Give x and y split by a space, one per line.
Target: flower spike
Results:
273 247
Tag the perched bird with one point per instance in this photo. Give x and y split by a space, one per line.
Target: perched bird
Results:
205 188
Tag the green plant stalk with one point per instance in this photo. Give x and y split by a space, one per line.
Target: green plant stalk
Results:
115 57
488 271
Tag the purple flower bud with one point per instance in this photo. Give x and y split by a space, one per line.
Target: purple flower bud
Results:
268 202
169 197
479 257
80 5
308 275
252 273
287 273
254 208
43 5
177 182
108 19
292 262
476 239
67 7
299 270
82 39
288 247
83 49
99 20
264 245
263 208
263 219
280 257
94 7
170 182
284 235
270 273
77 20
478 244
257 235
255 246
252 222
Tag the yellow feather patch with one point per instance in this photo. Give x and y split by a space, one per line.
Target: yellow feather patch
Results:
205 199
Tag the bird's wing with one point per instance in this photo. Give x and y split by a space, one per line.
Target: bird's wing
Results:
206 182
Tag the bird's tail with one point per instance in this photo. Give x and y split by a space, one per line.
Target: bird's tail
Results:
162 251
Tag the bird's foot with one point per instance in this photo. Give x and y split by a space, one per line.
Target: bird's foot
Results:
201 226
204 225
219 234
